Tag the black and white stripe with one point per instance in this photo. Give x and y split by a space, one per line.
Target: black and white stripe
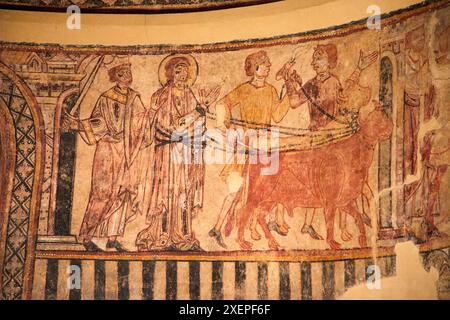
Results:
194 280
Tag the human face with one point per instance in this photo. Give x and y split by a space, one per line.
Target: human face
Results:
180 75
418 42
320 62
263 68
124 76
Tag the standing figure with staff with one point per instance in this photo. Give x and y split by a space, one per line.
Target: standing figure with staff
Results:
117 127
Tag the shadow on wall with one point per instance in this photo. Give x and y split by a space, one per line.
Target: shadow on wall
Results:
412 280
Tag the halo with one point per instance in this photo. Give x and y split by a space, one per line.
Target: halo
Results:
192 69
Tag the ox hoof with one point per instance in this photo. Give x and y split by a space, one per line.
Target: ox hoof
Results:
308 229
346 236
255 235
273 245
334 245
280 229
362 241
245 245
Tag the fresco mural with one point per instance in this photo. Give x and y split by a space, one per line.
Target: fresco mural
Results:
297 160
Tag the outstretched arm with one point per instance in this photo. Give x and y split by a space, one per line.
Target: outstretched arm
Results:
364 62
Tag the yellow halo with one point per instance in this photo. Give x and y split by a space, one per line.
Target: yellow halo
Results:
192 69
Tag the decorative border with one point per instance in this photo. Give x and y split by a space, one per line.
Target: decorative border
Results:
7 180
248 256
290 39
130 7
38 173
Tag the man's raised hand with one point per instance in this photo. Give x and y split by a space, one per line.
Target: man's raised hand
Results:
207 98
365 61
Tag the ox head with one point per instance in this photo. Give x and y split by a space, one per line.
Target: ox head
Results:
377 126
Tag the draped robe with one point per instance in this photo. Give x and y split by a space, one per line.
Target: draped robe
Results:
117 126
177 175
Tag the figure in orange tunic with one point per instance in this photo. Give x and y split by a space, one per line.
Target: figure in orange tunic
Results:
256 102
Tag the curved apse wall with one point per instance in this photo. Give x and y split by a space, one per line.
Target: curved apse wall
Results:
131 5
292 161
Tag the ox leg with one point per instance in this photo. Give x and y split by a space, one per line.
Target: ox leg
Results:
307 226
329 219
273 244
345 234
243 219
354 212
254 222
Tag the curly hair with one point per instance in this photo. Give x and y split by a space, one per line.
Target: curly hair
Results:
331 51
171 65
253 61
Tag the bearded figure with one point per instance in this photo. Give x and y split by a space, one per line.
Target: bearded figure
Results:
177 177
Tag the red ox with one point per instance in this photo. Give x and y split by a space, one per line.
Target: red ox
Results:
331 177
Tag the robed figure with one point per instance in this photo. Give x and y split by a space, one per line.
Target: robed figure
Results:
177 175
118 128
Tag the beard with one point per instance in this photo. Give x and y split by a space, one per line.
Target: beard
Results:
181 84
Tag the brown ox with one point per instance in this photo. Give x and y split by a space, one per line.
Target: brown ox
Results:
331 177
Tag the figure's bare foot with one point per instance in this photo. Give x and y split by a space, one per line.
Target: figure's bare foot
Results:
362 241
255 234
345 235
214 233
245 245
310 230
334 244
273 245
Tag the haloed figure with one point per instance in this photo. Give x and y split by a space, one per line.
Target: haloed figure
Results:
117 128
177 175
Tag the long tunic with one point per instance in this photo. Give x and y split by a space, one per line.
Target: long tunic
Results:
325 92
117 127
418 94
256 106
178 173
